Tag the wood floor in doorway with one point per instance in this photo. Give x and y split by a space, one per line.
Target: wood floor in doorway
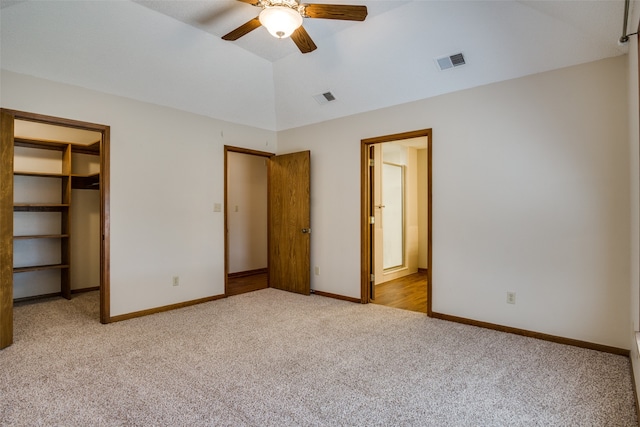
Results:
407 293
244 284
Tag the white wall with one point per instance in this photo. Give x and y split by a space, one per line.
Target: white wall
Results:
530 194
166 174
247 211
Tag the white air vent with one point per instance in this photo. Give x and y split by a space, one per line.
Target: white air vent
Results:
323 98
451 61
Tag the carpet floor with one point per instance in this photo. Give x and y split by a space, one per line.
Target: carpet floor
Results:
272 358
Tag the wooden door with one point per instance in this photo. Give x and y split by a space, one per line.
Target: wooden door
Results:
289 223
6 229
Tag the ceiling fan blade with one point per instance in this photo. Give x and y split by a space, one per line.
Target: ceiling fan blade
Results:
301 38
336 11
242 30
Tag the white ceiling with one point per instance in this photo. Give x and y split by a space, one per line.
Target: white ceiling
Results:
169 52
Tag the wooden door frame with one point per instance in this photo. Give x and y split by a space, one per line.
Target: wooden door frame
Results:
240 150
366 212
6 203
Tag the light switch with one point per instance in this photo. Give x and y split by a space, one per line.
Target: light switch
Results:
217 207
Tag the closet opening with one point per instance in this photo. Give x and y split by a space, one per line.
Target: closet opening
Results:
54 210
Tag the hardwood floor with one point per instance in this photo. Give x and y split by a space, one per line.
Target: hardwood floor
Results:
407 293
243 284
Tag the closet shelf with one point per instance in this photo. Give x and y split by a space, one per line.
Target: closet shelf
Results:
40 207
41 236
40 174
85 182
92 149
40 267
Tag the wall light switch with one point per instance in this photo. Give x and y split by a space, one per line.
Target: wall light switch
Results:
217 207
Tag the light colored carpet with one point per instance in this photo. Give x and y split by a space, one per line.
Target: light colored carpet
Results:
272 358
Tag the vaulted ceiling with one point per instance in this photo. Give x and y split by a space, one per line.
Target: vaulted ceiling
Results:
170 52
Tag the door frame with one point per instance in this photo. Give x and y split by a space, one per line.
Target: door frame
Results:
367 240
6 201
266 155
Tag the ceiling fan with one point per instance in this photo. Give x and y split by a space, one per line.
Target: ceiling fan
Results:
283 18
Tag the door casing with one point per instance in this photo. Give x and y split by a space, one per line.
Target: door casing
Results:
6 203
367 211
227 149
272 195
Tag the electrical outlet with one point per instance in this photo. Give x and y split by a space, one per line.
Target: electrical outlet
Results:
176 280
317 271
511 297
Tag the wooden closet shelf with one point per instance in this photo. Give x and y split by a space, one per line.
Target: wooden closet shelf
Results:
41 236
40 207
40 267
85 182
40 174
92 149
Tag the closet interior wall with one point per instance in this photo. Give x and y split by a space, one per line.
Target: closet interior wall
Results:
56 240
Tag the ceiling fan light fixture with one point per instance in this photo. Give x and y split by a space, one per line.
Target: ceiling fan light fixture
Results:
280 21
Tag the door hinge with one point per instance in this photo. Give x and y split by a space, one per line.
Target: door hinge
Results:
372 220
372 162
373 278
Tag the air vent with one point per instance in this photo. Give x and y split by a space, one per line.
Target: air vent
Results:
323 98
451 61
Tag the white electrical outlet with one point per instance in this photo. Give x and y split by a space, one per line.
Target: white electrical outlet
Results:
511 297
317 271
176 280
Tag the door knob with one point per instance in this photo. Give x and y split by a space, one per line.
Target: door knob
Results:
306 231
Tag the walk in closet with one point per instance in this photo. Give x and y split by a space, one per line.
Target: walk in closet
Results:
54 211
56 204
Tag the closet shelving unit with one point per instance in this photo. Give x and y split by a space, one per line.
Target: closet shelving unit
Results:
69 181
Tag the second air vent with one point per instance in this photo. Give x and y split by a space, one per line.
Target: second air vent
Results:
323 98
451 61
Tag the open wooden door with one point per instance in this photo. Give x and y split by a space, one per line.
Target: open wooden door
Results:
289 223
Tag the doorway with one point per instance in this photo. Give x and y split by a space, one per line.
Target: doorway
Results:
82 173
288 219
396 220
246 215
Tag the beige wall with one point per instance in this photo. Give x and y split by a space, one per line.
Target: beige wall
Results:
530 195
247 211
531 184
167 172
